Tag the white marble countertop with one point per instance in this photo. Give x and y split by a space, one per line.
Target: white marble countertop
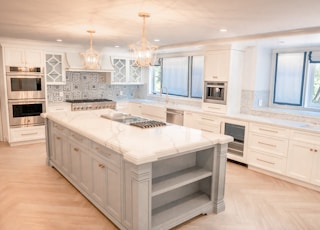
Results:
241 117
137 145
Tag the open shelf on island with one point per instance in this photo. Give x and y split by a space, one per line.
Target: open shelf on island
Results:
178 179
179 209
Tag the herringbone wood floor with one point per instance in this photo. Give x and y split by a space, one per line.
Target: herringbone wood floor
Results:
35 196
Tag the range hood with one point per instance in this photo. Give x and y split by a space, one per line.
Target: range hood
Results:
75 63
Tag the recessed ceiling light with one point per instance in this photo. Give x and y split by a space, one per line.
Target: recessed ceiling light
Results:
156 40
59 40
223 30
116 46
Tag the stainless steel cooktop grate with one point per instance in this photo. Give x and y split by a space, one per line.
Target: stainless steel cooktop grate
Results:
148 124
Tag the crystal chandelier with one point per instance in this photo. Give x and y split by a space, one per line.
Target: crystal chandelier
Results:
143 52
91 57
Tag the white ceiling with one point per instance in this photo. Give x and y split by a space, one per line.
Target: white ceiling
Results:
174 22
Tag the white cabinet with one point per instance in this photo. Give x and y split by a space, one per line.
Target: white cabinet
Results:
217 64
192 119
16 56
268 147
304 157
55 68
202 121
225 64
26 134
154 112
125 73
58 107
135 108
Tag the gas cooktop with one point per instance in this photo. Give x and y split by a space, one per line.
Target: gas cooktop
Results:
87 100
133 120
91 104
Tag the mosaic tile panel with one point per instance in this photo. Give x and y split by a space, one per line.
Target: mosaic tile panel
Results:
83 85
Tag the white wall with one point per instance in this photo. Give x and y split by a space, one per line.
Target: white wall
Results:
257 69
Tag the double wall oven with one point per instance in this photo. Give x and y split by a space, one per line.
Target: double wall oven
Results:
26 95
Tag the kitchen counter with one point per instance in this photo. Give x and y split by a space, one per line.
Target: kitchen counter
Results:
141 179
304 126
126 140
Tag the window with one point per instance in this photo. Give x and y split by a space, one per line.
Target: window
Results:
179 76
297 80
289 78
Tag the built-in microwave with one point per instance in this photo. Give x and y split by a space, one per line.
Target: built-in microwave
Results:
25 83
23 113
215 92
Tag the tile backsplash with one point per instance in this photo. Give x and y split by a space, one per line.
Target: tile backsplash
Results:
89 85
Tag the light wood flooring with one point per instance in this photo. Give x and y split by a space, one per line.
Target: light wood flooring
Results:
35 196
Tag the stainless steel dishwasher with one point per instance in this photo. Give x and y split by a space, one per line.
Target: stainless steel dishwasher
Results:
175 116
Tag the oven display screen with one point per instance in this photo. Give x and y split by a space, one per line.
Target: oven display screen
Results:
25 84
27 110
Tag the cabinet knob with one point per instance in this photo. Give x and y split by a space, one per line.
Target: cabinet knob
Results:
311 150
102 166
76 149
316 150
58 138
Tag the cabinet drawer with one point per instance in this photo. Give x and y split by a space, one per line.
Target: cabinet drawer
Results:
214 108
79 139
27 134
107 154
59 128
267 162
269 144
305 137
269 130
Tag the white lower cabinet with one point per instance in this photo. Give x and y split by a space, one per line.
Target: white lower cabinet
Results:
202 121
304 157
26 134
268 147
154 112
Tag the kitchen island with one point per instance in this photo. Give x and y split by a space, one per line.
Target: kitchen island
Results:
153 178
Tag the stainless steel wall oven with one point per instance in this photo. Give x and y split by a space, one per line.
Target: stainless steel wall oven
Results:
23 82
24 113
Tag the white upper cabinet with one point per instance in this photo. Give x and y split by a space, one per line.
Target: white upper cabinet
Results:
55 68
125 73
217 65
16 56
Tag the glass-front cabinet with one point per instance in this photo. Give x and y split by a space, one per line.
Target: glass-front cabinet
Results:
55 74
125 73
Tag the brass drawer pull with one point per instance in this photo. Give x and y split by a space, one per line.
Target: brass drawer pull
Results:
267 144
268 130
27 134
76 149
268 162
102 166
58 127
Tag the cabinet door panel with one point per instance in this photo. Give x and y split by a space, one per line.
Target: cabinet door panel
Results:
99 181
217 65
57 149
315 179
113 191
299 161
75 163
85 170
